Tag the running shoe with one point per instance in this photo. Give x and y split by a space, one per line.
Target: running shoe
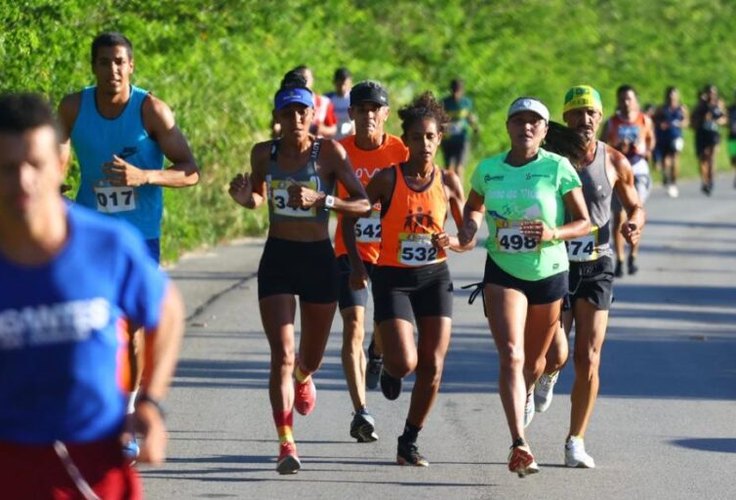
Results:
706 189
633 268
363 427
544 391
408 454
619 272
288 462
390 386
522 461
373 367
575 455
305 396
529 409
672 191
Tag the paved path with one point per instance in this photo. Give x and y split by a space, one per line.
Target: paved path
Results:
664 426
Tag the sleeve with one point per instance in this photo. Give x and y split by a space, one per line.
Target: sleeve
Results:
476 182
568 178
143 285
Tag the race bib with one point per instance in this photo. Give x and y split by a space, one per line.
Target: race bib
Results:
417 249
368 229
280 197
509 239
114 199
584 248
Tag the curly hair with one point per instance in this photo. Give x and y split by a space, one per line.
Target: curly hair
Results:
423 107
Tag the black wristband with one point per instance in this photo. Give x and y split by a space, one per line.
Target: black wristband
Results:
145 398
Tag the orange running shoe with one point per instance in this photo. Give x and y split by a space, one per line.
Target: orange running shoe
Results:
288 462
522 461
305 396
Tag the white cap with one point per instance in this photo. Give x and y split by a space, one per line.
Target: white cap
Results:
529 104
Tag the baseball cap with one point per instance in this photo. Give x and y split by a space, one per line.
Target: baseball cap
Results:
582 96
528 104
368 91
295 95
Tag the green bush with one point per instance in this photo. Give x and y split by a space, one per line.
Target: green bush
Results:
217 65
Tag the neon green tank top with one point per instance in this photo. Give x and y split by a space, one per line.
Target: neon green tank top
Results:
531 191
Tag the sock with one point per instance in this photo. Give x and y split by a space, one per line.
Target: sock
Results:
300 375
411 432
284 421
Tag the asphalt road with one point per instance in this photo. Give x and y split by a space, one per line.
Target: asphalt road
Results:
664 425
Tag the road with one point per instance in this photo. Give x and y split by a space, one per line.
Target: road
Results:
663 426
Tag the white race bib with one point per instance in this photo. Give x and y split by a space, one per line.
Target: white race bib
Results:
583 249
368 229
114 199
511 240
417 249
280 197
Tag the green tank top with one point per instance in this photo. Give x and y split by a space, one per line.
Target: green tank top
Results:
513 194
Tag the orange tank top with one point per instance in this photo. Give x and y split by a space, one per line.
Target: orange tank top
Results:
365 165
410 221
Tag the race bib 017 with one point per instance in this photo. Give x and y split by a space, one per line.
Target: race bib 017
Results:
115 199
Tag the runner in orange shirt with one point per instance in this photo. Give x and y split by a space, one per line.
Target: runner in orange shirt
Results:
411 280
369 151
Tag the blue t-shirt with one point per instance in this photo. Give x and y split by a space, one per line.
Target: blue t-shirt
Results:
63 338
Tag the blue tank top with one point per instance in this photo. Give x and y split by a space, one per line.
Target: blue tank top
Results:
673 117
95 139
278 182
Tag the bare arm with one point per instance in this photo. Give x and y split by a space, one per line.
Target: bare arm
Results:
627 195
249 190
333 160
68 112
456 199
472 219
162 352
577 209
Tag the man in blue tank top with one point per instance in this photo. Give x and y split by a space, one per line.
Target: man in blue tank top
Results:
77 277
120 134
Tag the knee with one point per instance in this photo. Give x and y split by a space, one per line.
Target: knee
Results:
587 362
283 359
353 333
400 367
431 371
511 359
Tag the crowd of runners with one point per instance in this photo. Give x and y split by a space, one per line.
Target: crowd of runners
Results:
560 206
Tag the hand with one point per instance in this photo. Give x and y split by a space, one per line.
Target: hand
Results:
440 240
631 233
537 229
303 197
358 278
121 173
241 190
150 424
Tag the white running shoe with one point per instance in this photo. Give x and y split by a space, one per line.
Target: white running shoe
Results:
575 455
529 409
672 191
544 391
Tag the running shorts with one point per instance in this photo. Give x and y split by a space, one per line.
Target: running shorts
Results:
592 281
705 139
455 150
424 291
304 268
36 471
349 297
541 291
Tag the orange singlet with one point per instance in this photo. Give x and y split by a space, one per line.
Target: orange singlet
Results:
365 164
410 221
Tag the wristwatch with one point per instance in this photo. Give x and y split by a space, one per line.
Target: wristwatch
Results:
329 201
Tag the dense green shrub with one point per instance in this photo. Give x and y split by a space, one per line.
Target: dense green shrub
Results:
218 63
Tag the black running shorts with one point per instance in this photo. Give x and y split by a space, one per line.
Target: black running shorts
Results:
349 297
541 291
400 291
306 269
592 281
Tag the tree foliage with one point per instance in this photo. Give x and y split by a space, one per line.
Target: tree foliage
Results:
217 64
